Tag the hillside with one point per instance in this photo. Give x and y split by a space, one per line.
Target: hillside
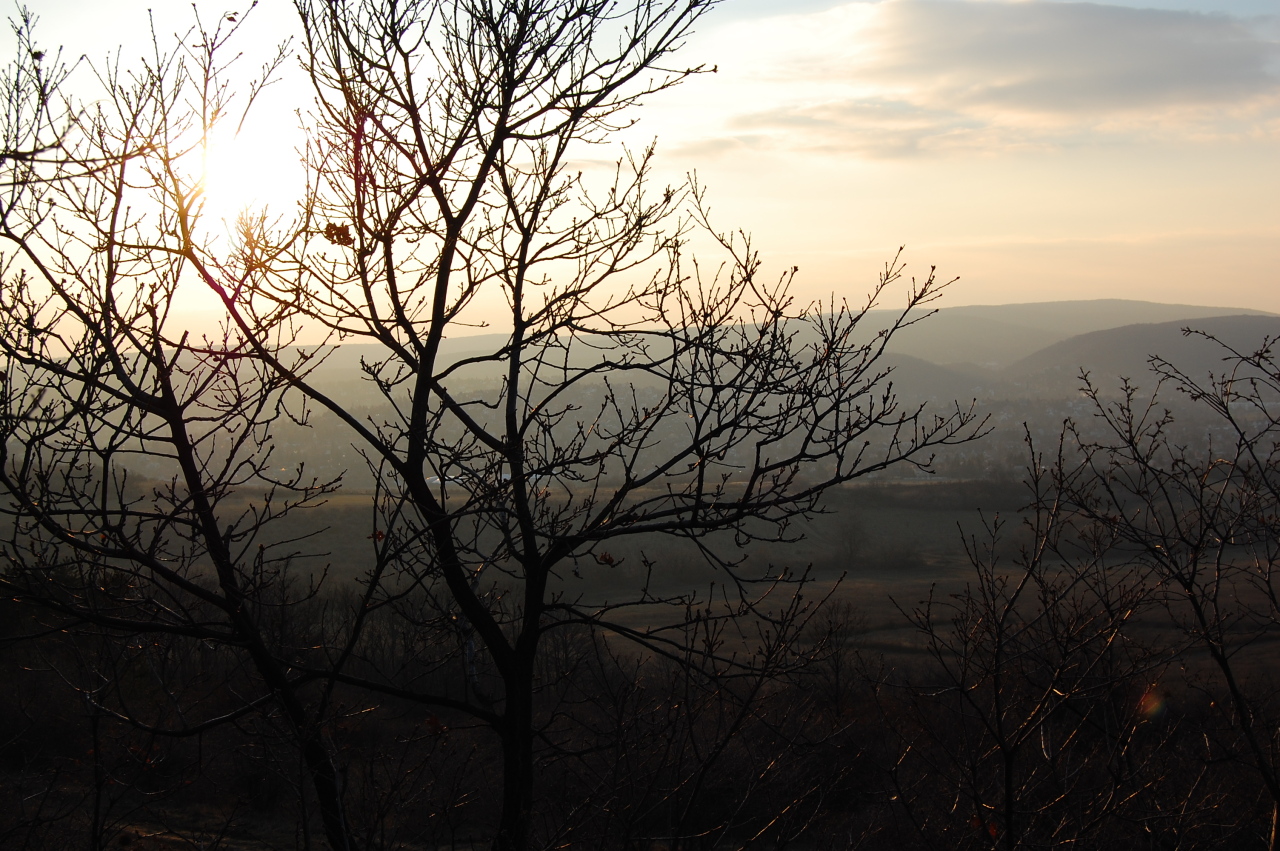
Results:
1124 352
987 352
996 336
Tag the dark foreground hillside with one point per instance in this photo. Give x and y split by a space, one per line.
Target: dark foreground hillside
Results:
933 704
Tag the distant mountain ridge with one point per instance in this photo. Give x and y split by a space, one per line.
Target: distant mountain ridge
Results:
997 336
1109 356
1125 352
987 352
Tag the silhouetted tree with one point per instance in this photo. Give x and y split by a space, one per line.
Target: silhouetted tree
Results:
1191 498
632 392
96 388
1032 724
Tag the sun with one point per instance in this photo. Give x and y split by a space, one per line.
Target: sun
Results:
252 169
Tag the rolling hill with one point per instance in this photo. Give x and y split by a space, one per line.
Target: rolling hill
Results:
988 352
1125 352
996 336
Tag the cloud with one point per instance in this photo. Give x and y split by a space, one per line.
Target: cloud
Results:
739 9
1067 57
878 127
909 76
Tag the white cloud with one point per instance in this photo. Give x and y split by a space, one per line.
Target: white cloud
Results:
1072 58
905 76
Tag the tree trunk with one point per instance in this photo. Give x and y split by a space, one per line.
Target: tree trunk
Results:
319 762
517 765
328 794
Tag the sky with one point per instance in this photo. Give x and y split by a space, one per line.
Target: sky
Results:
1035 150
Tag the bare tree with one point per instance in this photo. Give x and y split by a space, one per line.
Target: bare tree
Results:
632 391
1191 497
137 460
1029 726
35 116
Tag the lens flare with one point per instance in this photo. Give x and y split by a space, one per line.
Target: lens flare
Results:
1152 704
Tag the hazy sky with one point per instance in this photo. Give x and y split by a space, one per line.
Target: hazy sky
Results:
1038 150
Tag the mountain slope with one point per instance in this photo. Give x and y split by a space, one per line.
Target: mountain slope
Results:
1124 352
985 351
996 336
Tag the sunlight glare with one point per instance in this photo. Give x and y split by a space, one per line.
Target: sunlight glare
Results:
254 169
